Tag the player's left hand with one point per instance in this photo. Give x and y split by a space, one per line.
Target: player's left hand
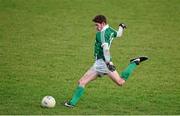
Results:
123 25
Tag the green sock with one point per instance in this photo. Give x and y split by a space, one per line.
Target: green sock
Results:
128 71
78 93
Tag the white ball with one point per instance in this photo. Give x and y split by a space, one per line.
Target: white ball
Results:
48 102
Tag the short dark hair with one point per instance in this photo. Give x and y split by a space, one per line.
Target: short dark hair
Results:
99 19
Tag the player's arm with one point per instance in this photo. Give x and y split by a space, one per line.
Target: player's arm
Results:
106 52
121 29
107 57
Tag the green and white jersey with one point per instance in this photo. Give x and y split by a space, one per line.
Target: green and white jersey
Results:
105 36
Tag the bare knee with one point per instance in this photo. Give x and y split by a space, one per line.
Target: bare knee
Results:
82 83
121 82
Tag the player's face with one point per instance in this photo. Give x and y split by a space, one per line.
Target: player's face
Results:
99 26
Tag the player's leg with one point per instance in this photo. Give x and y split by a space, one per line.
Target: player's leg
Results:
86 78
116 78
90 75
132 66
125 74
120 79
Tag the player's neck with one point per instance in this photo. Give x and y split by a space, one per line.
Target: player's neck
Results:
105 27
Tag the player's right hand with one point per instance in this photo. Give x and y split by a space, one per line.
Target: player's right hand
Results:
111 67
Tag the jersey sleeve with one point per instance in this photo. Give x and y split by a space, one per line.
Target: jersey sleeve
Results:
120 31
104 38
117 33
114 32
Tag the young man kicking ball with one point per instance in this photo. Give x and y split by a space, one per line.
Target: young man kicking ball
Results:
103 64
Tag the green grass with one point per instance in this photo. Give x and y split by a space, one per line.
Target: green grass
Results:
47 45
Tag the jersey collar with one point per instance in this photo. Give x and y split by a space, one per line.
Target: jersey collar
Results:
105 27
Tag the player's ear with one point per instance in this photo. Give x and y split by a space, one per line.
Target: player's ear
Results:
103 23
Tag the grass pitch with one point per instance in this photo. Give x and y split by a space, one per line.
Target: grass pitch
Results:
47 45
